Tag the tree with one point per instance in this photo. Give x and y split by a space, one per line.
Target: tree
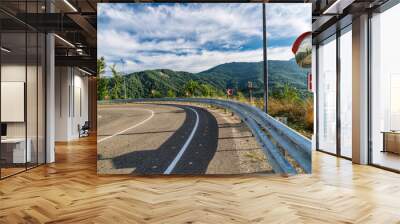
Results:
155 94
286 92
291 94
101 67
207 90
171 93
116 92
102 82
190 88
134 87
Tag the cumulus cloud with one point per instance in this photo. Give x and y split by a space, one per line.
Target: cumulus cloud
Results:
287 19
193 37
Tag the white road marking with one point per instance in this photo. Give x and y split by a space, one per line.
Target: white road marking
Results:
184 147
133 126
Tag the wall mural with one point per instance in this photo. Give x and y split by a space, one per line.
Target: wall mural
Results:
181 88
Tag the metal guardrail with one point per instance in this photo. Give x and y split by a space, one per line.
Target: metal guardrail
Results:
269 132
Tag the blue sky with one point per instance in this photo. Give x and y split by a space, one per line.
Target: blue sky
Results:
195 37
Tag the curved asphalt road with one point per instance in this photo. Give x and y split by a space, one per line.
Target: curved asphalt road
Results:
156 139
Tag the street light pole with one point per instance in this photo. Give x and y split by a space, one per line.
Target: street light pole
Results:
265 62
125 86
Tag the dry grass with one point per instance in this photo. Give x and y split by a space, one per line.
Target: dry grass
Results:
299 113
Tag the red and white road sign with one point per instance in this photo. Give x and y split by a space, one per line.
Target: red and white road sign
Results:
229 92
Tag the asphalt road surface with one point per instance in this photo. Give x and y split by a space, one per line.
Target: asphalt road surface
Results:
175 139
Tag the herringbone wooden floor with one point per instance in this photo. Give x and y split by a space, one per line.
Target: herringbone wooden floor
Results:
69 191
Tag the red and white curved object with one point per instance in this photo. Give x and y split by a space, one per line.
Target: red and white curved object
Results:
302 49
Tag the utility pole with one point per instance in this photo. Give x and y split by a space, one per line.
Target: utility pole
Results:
265 67
124 75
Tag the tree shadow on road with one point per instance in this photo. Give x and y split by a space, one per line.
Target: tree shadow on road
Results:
196 158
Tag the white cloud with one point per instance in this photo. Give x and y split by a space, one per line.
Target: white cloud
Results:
194 62
178 36
287 19
279 53
204 61
176 20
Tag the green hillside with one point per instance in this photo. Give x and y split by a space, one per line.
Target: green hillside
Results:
237 74
164 82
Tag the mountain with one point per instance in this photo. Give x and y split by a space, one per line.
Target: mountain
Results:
163 79
239 73
229 75
144 83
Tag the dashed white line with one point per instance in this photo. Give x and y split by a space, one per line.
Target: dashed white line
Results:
184 147
133 126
